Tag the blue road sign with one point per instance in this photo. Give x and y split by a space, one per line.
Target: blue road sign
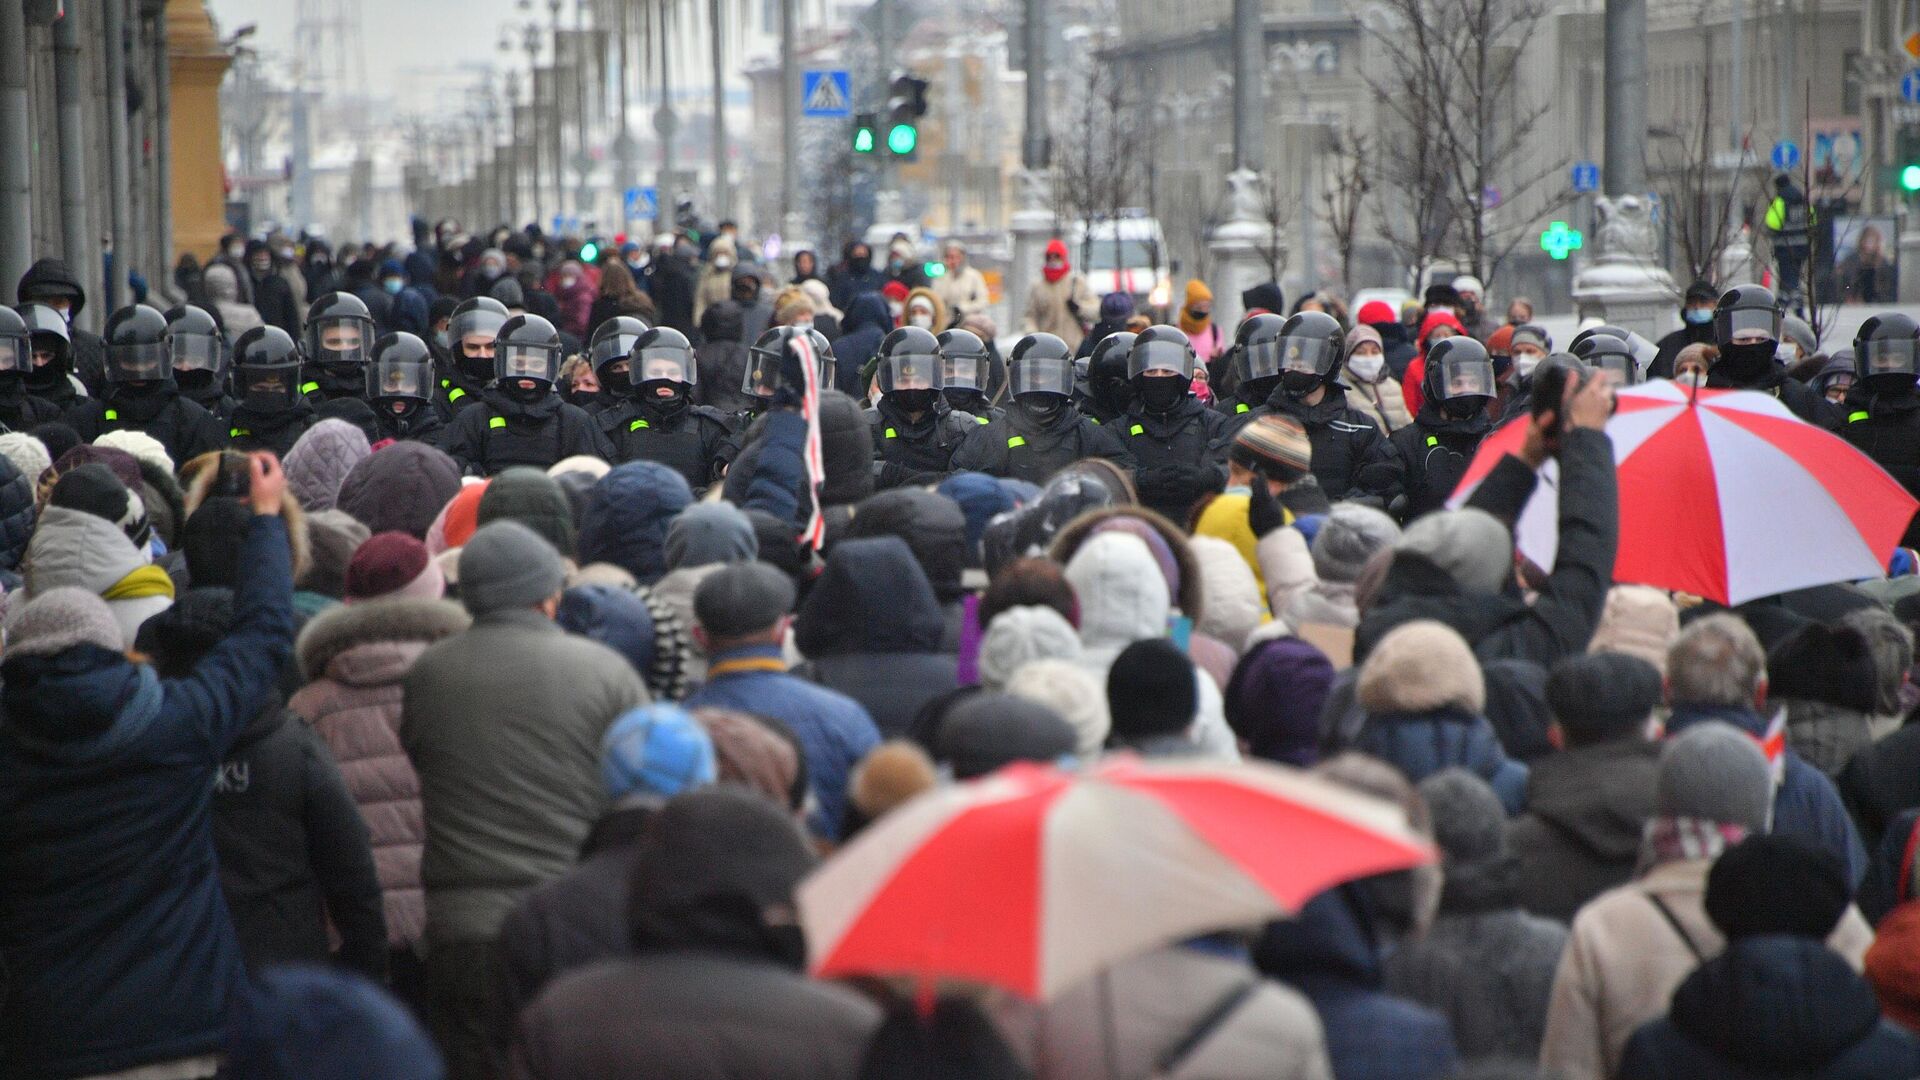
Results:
1586 177
1910 86
642 204
1786 154
826 93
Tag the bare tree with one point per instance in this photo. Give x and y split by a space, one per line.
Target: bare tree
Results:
1416 222
1343 200
1453 83
1698 197
1276 211
1097 157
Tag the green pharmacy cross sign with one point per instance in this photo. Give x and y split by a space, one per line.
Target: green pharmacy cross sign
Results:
1559 241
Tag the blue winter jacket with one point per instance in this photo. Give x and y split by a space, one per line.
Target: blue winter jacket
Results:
1807 806
626 519
1421 744
118 950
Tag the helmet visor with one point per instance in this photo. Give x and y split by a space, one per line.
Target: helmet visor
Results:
1261 359
525 362
196 352
1042 374
400 379
1892 357
910 371
1160 356
1738 326
475 321
610 348
962 371
1309 356
15 353
763 378
268 386
138 363
664 363
341 340
1466 377
1621 368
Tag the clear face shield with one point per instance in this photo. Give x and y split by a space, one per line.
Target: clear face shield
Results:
196 352
910 371
138 363
400 380
1041 374
538 362
342 341
1746 326
1168 356
1466 377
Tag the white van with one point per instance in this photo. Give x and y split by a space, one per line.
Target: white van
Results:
1126 254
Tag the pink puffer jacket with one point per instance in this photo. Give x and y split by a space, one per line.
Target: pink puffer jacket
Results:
355 658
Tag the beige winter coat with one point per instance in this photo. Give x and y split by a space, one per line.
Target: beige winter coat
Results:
1382 400
965 293
1624 961
1047 311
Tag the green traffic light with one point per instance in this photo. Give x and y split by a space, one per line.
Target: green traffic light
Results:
863 140
903 138
1910 178
934 268
589 252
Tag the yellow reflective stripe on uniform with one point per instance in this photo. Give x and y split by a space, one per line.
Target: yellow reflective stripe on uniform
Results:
984 420
891 434
1433 440
1242 407
1017 440
1854 418
113 414
1136 430
444 383
496 421
456 394
309 387
237 432
637 425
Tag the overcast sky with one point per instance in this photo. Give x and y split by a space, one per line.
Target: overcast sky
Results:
424 53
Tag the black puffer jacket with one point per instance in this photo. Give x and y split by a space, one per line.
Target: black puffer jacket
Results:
21 411
182 426
1772 1006
50 278
250 429
503 432
1180 455
426 423
687 440
916 451
1886 427
1019 446
871 629
935 529
1415 469
1798 397
1343 439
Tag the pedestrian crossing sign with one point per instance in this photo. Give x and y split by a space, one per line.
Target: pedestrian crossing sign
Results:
827 93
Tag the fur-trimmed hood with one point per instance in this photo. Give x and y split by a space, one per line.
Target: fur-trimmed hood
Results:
1422 666
1190 593
395 619
203 479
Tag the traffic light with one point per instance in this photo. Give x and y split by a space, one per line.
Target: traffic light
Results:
590 251
864 138
1910 178
906 104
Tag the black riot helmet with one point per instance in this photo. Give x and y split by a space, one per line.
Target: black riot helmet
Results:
48 333
527 348
266 370
612 346
768 367
662 365
1040 364
400 369
471 332
1107 381
1311 347
963 360
136 337
1612 355
1884 352
339 332
1746 314
1459 375
1160 348
1256 352
16 346
198 348
909 360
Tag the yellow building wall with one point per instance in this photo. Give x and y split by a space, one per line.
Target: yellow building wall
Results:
199 183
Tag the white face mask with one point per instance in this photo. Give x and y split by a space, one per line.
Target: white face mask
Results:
1523 364
925 322
1367 368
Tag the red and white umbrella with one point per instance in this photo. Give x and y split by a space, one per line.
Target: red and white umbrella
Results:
1725 495
1033 879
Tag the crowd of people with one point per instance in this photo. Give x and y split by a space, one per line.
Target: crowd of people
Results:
452 665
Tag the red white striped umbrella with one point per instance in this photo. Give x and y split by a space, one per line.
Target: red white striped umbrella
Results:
1726 495
1033 879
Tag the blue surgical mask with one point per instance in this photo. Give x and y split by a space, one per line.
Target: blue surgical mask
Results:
393 285
443 339
1699 316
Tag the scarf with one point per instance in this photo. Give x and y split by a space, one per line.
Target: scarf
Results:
1676 839
1055 273
148 580
815 534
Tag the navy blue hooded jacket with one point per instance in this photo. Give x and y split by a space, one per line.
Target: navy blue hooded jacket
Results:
871 628
866 325
627 515
118 946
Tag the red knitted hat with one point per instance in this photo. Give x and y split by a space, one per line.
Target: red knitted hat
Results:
393 563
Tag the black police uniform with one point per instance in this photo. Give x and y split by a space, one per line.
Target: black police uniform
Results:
909 451
1028 447
180 425
1180 454
687 438
507 431
1343 439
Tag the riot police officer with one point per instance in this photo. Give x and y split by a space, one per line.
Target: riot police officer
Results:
521 419
1179 444
269 411
964 365
51 379
1256 363
1309 351
610 352
141 395
1413 470
200 359
1882 406
400 389
1109 389
1746 324
1042 432
470 336
19 410
339 333
1613 356
915 431
656 419
760 381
